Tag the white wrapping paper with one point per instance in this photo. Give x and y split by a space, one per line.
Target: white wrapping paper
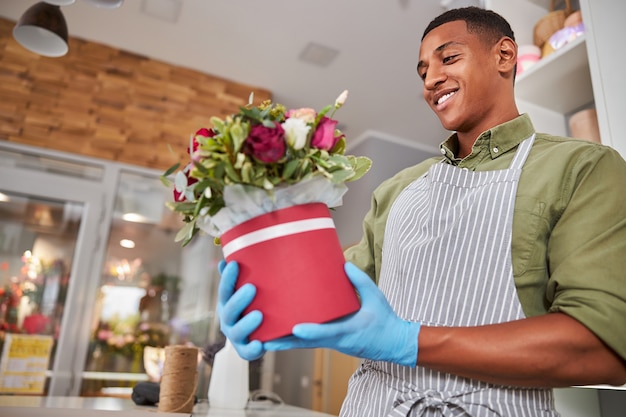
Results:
245 202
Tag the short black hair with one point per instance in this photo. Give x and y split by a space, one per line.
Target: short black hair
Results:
487 24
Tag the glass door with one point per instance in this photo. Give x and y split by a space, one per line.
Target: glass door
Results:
90 270
49 217
152 292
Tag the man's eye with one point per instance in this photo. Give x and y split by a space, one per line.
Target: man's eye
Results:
422 76
449 58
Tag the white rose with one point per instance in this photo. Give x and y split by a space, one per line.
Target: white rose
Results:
296 131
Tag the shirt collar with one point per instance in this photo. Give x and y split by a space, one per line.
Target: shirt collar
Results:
497 140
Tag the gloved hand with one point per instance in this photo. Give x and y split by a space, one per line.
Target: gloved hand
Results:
230 306
374 332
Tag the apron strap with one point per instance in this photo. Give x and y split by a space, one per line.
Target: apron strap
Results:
522 152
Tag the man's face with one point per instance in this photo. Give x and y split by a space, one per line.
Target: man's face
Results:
459 74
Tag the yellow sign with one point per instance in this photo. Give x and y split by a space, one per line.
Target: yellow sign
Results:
24 363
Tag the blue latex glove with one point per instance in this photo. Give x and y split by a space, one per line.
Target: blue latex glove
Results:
374 332
230 306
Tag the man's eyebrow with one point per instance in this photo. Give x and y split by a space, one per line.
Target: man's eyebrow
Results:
438 50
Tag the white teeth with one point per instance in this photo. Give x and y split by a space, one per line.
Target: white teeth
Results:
445 97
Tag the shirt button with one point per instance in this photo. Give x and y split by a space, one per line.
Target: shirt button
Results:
443 151
496 150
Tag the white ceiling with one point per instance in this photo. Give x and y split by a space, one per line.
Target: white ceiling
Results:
259 43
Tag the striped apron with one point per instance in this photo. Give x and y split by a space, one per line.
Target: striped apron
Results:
450 230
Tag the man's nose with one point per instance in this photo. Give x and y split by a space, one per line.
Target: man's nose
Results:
434 77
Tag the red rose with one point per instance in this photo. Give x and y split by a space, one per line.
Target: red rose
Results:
324 135
204 132
267 144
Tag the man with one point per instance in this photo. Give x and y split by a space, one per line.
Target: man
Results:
499 267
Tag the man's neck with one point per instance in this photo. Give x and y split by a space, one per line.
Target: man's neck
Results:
464 145
466 140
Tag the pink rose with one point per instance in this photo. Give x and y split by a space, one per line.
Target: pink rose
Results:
306 114
324 135
267 144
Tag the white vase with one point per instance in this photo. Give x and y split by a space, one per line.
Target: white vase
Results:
229 383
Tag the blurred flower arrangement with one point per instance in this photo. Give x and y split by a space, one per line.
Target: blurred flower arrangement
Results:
255 158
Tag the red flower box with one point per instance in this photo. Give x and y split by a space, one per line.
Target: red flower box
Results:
294 258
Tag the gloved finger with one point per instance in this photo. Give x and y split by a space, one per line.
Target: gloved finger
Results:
313 331
287 343
240 331
251 351
362 282
227 282
230 312
221 265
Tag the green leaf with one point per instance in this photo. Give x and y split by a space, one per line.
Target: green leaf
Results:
171 170
215 207
240 158
290 168
340 146
181 207
200 167
165 181
305 168
246 172
252 113
269 123
199 205
186 232
342 175
322 113
217 123
219 170
213 144
339 160
321 163
204 184
231 173
361 166
239 132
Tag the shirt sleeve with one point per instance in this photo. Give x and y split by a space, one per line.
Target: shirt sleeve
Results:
362 254
587 247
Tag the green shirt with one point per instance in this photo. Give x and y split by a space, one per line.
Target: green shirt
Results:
569 225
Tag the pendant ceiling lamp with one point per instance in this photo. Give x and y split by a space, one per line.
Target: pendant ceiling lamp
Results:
60 2
106 4
43 30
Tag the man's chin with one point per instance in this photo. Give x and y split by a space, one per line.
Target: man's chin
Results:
449 124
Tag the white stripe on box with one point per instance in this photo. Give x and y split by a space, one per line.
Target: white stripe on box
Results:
276 231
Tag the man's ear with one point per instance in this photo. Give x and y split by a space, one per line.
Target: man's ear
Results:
507 56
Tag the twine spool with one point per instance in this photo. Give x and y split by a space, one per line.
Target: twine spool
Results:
179 380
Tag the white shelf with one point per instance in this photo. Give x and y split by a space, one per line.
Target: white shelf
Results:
560 82
608 387
544 3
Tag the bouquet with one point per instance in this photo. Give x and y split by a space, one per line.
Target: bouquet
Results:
258 160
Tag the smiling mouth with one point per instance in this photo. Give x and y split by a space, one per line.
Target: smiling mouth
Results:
444 98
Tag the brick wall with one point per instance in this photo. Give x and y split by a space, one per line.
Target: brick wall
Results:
103 102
